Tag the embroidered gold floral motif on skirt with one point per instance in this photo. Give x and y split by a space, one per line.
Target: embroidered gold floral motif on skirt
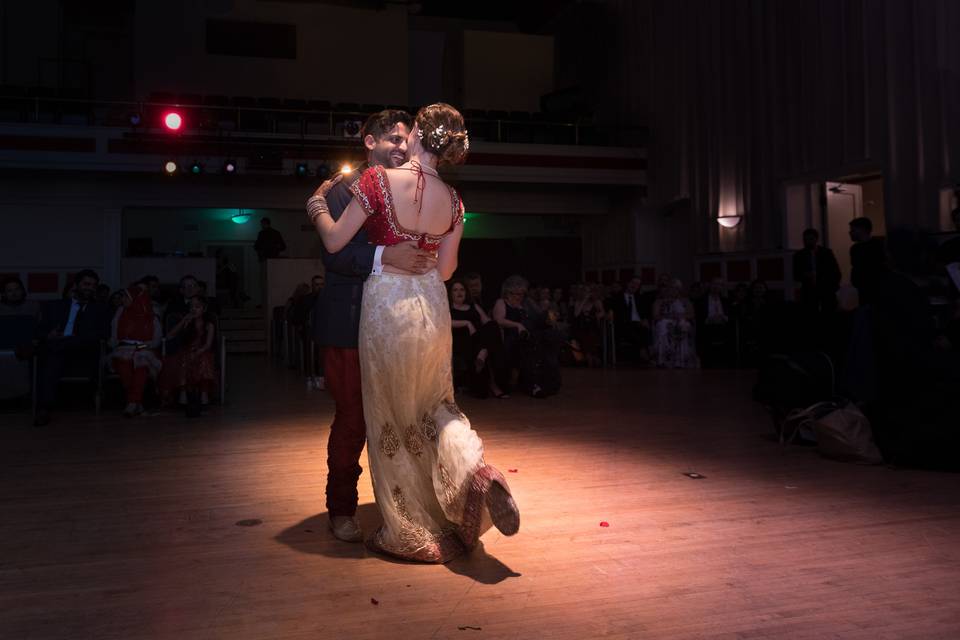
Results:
415 539
451 406
413 440
389 441
429 427
408 405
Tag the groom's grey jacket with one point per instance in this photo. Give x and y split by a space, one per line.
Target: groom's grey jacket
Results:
336 313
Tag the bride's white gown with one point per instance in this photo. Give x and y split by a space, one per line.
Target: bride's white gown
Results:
429 476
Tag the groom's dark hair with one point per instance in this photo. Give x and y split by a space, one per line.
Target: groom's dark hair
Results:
380 123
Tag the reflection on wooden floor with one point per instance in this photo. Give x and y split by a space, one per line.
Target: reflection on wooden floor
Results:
128 529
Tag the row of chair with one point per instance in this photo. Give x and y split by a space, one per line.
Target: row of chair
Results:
19 325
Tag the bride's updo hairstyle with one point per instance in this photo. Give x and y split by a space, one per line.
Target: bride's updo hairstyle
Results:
443 133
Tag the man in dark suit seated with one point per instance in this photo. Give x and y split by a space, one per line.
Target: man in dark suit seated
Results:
70 332
631 319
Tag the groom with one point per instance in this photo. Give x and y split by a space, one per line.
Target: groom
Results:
337 320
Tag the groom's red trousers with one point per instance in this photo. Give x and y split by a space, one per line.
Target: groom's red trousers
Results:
341 370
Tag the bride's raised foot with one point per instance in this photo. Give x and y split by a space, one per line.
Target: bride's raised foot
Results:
503 509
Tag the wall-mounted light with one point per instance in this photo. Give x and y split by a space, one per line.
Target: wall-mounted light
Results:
729 221
241 216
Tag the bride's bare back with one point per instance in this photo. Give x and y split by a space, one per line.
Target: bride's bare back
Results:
436 214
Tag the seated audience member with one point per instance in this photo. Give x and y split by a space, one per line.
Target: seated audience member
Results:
561 304
696 291
587 315
474 284
632 328
674 341
152 284
135 338
180 305
534 307
103 293
13 299
192 369
116 301
17 327
509 312
739 302
315 376
71 331
477 345
561 307
713 325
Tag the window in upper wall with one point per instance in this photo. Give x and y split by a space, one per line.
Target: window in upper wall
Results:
252 39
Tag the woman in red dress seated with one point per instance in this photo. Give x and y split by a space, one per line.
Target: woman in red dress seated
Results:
135 338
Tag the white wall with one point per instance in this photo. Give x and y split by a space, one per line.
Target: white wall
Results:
68 237
343 54
506 70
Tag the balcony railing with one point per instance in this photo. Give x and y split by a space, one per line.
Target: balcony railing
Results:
221 114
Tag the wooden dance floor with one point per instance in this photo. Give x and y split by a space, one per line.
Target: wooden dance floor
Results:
164 527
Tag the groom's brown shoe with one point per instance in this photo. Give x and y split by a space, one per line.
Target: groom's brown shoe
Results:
346 528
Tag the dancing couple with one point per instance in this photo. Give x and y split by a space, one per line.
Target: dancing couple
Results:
391 238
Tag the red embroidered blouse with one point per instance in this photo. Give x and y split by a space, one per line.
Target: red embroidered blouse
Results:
372 191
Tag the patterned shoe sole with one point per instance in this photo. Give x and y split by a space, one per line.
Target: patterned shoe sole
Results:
503 510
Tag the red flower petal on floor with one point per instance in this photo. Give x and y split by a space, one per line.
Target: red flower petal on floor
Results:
604 524
512 470
374 601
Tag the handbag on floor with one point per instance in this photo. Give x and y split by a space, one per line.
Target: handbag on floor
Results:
840 430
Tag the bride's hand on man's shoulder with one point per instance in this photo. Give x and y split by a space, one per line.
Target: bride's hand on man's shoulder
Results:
327 185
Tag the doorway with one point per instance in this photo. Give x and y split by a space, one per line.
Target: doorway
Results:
848 199
231 273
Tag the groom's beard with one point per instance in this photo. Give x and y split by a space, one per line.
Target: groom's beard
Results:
390 160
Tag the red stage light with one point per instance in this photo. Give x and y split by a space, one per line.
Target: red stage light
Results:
173 121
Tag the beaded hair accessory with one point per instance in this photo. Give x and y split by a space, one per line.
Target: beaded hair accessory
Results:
438 138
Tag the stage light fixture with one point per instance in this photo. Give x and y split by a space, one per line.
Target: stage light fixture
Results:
173 121
135 119
170 167
346 168
323 171
302 170
196 168
229 167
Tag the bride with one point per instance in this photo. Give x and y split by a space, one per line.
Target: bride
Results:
434 491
